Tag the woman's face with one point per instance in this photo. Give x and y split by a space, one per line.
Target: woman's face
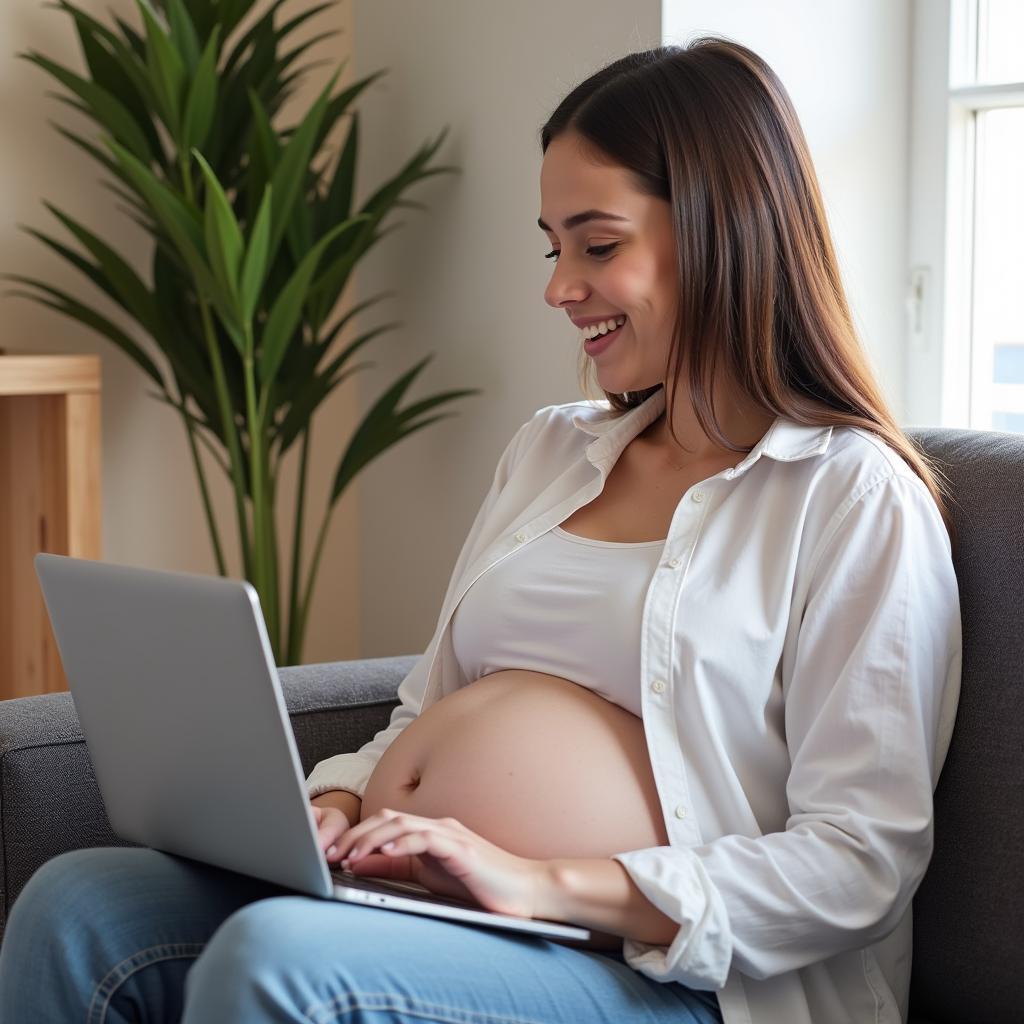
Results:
635 277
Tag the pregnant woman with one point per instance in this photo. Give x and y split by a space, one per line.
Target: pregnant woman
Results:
694 676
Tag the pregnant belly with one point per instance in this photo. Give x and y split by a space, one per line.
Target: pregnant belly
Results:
535 763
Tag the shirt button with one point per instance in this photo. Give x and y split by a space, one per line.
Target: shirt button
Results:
674 562
658 686
520 537
698 495
680 811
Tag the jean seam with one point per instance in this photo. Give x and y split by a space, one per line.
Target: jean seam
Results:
122 971
409 1004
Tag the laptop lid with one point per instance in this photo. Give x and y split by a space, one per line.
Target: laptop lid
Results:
161 665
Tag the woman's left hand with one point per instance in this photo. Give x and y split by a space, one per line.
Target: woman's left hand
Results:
442 855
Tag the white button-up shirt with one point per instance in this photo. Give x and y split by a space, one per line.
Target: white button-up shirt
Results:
799 671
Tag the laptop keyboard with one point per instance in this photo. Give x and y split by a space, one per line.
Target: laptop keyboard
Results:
411 890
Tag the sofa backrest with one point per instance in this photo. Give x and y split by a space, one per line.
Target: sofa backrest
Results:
969 910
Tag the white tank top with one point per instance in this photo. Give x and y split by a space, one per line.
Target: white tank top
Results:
566 605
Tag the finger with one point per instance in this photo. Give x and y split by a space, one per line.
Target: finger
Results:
329 834
360 828
443 848
367 827
328 843
353 847
386 814
445 851
380 865
387 824
358 843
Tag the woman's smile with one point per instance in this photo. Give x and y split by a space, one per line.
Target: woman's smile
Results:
598 344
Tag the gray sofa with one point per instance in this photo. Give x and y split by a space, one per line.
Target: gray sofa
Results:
969 911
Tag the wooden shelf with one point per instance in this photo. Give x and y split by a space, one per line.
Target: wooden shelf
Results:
50 500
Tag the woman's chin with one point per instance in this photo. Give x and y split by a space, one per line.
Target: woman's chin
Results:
620 383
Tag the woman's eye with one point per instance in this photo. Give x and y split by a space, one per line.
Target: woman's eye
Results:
594 250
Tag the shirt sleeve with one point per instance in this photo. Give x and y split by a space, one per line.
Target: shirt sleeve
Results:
352 771
871 685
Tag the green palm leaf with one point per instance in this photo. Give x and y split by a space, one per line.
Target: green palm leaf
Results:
255 267
166 69
201 104
224 242
188 140
383 426
69 306
284 316
98 104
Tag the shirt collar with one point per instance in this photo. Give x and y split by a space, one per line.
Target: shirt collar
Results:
785 441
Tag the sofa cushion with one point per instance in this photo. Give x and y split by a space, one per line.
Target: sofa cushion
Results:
969 910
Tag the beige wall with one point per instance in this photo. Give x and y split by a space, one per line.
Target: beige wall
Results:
470 270
152 510
846 67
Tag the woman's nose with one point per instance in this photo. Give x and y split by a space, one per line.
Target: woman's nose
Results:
564 287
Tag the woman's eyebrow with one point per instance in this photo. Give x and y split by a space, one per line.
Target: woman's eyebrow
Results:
581 218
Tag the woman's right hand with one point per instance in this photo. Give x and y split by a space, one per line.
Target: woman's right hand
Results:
332 823
334 812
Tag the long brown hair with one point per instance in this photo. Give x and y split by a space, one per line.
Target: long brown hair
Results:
710 128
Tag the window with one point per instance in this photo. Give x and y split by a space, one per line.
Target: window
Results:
997 329
983 300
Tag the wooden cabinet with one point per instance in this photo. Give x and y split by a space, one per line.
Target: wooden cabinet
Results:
50 500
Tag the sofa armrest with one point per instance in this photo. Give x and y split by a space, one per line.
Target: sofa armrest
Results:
49 800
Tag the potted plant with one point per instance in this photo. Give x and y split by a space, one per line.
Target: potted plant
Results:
254 238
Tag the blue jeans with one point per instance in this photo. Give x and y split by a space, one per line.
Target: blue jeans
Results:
128 934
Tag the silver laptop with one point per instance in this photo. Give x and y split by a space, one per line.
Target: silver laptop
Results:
180 704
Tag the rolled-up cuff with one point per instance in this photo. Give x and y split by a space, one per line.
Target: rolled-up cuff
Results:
350 772
675 881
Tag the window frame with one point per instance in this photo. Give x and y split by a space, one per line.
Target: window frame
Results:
941 361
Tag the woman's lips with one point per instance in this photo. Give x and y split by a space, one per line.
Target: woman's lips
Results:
595 346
